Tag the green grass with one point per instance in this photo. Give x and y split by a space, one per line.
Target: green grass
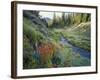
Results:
78 36
78 40
80 61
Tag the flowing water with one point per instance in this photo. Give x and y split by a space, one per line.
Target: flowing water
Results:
81 51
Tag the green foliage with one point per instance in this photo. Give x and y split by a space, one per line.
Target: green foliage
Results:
80 36
55 35
31 32
69 19
86 17
27 53
78 18
80 61
68 55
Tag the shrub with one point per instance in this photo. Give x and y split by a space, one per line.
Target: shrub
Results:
46 51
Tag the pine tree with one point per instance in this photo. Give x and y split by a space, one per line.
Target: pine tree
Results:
54 19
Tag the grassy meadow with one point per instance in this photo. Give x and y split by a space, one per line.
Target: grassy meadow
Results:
56 39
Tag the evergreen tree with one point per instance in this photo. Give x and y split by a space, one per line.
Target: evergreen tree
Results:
54 19
63 18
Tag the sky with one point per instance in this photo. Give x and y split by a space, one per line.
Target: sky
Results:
49 14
